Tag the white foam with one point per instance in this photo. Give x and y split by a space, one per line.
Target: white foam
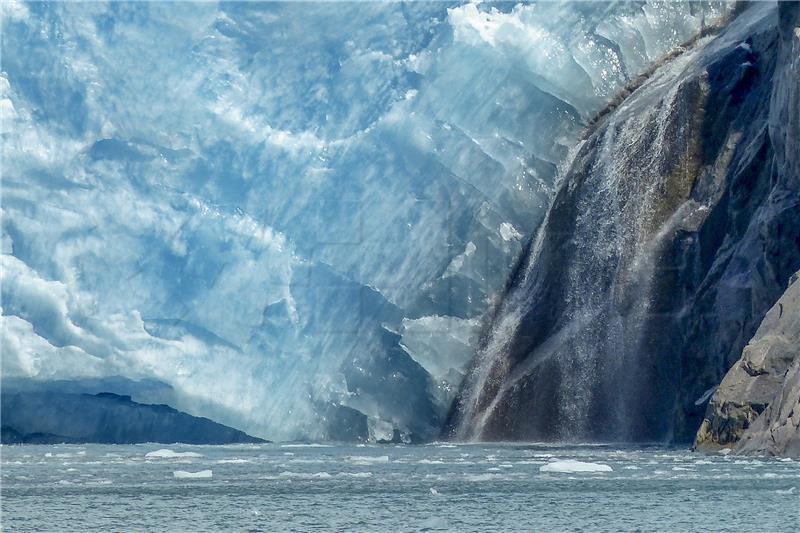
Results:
232 461
480 477
571 467
202 474
312 445
166 453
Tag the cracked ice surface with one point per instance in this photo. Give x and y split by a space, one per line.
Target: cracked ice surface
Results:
279 208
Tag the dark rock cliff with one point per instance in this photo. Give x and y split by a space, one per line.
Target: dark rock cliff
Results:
674 231
757 406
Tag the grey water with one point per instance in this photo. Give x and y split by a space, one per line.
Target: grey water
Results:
436 487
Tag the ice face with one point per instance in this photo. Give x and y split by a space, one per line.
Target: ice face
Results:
275 208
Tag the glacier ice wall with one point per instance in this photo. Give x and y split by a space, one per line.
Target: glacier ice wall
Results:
289 211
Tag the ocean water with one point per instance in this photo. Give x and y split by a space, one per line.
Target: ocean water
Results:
436 487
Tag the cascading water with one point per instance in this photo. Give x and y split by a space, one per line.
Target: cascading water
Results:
640 258
612 245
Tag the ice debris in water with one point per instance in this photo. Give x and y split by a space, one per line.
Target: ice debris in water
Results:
166 453
202 474
369 458
573 467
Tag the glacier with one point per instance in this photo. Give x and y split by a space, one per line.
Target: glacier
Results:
295 216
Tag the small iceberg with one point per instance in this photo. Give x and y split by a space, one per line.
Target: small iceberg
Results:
369 458
165 453
574 467
182 474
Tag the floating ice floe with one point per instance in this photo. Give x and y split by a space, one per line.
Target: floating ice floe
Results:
355 474
304 475
182 474
166 453
369 458
573 467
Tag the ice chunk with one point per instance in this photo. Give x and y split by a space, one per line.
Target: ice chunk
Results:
166 453
202 474
369 458
570 466
508 232
305 475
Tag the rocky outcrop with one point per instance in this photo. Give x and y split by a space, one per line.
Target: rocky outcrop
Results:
57 417
756 408
674 231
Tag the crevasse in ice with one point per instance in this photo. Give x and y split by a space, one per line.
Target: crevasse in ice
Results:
287 212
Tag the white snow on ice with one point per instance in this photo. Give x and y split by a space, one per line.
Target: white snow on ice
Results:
570 466
166 453
202 474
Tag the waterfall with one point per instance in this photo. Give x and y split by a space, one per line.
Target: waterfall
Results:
633 260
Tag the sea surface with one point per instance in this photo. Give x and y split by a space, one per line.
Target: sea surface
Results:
436 487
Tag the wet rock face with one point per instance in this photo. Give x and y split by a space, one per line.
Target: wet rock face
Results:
676 228
757 406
